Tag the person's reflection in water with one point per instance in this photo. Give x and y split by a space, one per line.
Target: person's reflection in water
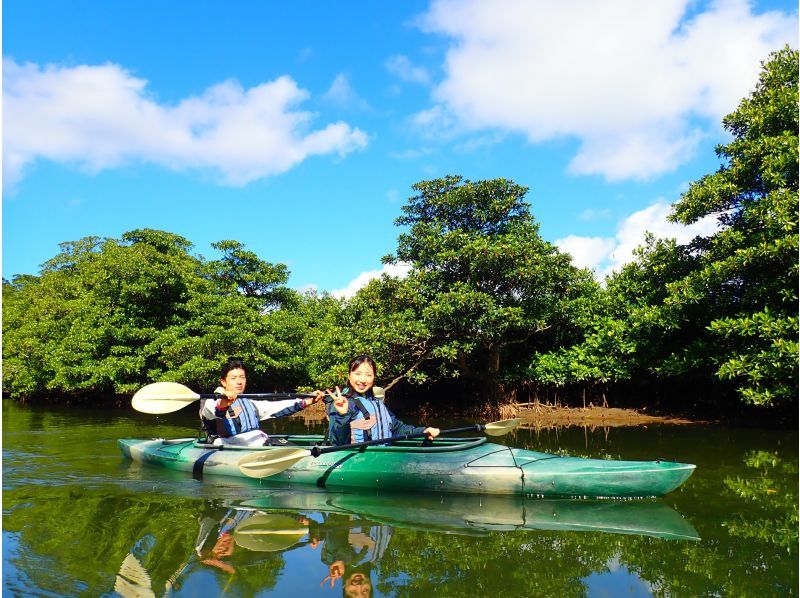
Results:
212 548
224 544
358 584
349 549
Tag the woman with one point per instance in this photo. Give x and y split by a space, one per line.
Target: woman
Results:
235 420
356 415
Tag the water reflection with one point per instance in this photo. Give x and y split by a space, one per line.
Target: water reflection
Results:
79 520
244 546
232 538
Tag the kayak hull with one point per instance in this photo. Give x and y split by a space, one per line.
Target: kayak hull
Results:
457 465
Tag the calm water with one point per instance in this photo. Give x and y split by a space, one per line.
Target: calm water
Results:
79 520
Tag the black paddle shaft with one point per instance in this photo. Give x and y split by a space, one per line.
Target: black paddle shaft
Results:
265 395
319 450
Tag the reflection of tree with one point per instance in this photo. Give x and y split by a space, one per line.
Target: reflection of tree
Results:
773 495
511 563
71 526
736 557
74 541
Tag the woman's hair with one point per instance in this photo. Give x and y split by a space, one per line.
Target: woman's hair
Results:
357 361
233 363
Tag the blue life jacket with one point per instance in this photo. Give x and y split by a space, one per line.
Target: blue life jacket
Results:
227 426
368 408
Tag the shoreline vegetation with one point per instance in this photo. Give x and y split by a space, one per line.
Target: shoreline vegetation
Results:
487 315
541 415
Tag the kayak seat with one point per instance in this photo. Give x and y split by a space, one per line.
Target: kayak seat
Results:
278 441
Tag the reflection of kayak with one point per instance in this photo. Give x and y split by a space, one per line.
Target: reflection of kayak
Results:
460 465
481 514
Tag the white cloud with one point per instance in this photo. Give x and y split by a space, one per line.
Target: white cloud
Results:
586 252
100 117
607 254
636 82
435 123
395 270
402 67
342 94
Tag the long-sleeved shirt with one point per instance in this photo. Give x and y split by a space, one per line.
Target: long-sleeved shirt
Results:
242 427
386 424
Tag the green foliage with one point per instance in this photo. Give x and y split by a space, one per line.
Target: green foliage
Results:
108 315
485 291
241 272
773 492
749 268
724 307
486 300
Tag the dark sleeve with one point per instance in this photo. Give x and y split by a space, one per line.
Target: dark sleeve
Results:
398 428
338 424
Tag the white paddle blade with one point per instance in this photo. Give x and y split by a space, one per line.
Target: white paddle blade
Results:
269 532
504 426
267 463
133 581
163 397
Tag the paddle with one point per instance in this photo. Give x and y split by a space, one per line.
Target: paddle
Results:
166 397
262 465
269 532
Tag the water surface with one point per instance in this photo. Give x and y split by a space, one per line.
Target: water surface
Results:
80 520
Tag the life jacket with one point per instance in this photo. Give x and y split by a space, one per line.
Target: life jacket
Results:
370 407
228 426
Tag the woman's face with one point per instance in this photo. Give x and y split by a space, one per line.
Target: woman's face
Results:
362 378
358 586
235 380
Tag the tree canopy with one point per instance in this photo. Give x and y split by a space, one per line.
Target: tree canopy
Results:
488 305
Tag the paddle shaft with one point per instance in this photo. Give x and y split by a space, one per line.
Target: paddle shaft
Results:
263 395
318 450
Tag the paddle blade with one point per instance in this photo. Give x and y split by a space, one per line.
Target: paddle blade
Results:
267 463
133 581
163 397
265 532
504 426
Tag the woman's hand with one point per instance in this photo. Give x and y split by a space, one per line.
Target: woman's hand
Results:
340 403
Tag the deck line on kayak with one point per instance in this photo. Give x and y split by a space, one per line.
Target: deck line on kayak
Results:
606 472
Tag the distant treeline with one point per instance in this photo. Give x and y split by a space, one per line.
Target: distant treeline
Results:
490 312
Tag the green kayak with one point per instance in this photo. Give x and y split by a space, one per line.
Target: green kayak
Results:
452 465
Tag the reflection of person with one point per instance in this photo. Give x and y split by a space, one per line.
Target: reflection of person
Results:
356 415
350 552
358 583
235 420
224 544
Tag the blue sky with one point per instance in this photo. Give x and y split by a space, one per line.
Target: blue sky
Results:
298 128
